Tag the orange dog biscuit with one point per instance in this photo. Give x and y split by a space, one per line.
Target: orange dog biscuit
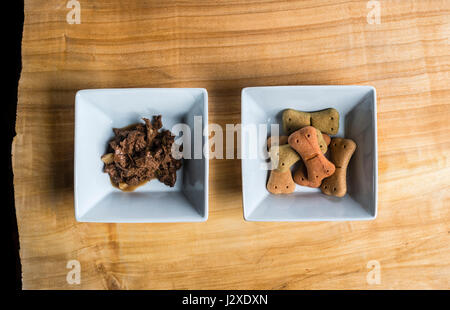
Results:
280 182
323 139
305 142
341 152
326 138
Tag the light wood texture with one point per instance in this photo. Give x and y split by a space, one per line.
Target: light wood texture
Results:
225 46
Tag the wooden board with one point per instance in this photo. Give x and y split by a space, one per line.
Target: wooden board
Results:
224 46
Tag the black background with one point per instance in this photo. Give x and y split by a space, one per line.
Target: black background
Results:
12 20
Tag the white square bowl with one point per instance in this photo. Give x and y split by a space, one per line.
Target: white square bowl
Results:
358 121
97 112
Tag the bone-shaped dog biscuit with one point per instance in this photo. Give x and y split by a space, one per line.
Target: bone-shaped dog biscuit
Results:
280 182
305 142
281 140
316 169
293 120
280 179
323 139
327 121
341 152
286 156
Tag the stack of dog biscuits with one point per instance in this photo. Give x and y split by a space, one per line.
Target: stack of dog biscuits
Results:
322 138
307 142
318 167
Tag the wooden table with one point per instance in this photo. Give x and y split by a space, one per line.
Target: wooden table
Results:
224 46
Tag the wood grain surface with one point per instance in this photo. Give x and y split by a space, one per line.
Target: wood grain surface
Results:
224 46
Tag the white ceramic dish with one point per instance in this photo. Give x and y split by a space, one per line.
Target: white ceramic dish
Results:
358 121
97 111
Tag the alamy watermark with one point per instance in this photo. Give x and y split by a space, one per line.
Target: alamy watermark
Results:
250 141
74 275
374 275
374 15
74 15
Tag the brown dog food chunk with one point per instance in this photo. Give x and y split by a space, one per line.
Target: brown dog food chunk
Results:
326 121
305 142
280 182
341 151
139 153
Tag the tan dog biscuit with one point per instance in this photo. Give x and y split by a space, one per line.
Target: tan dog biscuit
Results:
305 142
281 140
286 156
341 151
280 182
280 179
326 121
293 120
323 145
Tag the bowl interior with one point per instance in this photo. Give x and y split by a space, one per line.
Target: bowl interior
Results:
97 112
357 110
